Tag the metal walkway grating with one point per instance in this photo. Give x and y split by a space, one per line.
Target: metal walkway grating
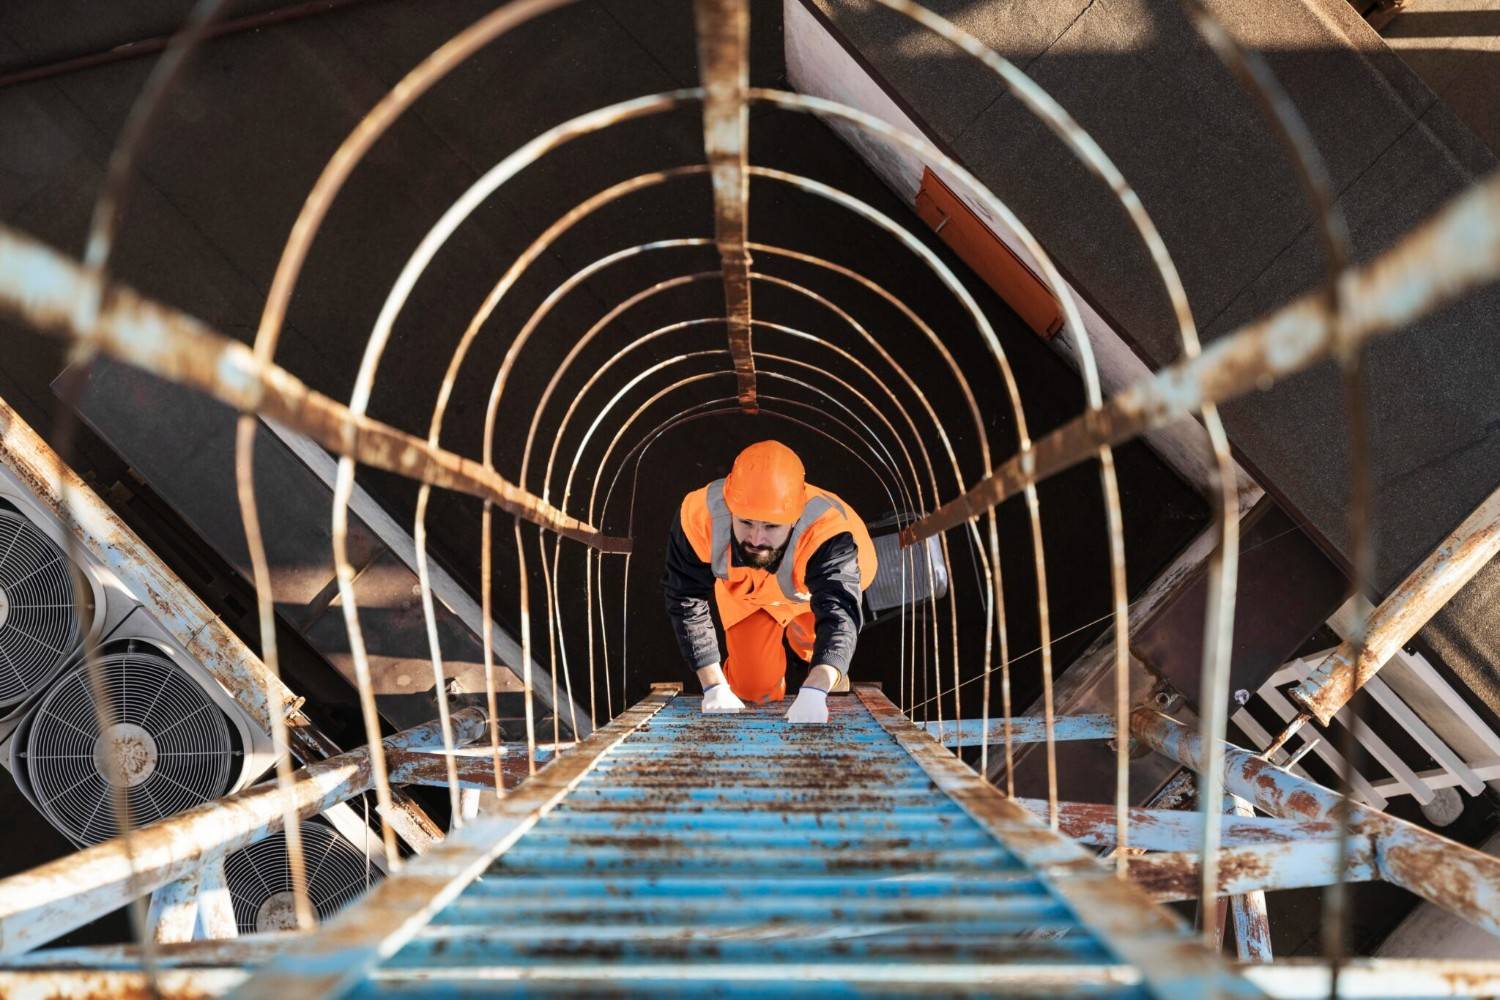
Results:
740 855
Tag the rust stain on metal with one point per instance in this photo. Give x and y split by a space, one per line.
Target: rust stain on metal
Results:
1480 983
43 287
1424 591
1462 880
723 30
1094 823
1176 875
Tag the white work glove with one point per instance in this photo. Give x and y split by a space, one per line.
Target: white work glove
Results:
718 698
811 706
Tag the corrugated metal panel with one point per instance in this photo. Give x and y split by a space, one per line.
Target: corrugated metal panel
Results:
742 855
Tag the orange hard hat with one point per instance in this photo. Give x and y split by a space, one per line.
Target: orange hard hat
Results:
766 484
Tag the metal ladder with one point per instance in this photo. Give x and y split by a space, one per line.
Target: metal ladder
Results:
677 854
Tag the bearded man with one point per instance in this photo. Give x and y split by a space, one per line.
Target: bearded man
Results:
786 563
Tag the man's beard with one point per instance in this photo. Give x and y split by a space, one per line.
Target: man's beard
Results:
760 557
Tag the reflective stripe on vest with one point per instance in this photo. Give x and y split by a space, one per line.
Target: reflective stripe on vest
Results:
721 537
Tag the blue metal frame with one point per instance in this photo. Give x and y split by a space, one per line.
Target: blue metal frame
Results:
690 854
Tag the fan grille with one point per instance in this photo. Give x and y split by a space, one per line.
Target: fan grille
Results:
39 627
169 748
260 881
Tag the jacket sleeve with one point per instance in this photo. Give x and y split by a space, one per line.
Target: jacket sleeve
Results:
686 584
832 579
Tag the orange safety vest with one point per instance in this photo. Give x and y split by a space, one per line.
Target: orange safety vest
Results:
742 590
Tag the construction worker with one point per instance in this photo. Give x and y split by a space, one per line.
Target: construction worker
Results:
786 563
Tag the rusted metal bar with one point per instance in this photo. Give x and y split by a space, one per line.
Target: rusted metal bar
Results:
1369 977
1377 977
61 971
1171 960
1459 879
252 949
38 905
215 906
1450 255
1402 614
330 960
474 768
44 288
173 915
1057 980
1024 729
1093 823
1252 924
108 213
173 984
723 34
1176 875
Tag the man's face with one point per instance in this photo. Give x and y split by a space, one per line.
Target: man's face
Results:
760 542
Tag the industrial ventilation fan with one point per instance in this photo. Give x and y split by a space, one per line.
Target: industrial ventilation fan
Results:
177 738
40 628
260 881
168 747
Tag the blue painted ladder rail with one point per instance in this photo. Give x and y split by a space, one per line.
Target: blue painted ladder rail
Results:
677 854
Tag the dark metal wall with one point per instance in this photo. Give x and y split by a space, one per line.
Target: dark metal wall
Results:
242 144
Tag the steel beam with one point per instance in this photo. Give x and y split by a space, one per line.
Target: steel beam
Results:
1403 613
1024 729
251 949
1057 980
1252 924
723 33
51 899
1377 977
173 914
45 288
1451 254
216 918
476 768
344 950
1370 978
1093 823
170 984
1177 875
1461 880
